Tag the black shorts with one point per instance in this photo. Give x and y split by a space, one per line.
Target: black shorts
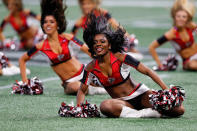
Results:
136 102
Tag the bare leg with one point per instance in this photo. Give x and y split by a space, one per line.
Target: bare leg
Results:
71 88
191 65
119 108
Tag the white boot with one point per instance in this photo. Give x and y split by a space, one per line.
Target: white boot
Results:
96 90
14 69
7 72
128 112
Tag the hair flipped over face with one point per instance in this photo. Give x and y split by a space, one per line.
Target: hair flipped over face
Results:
99 25
55 8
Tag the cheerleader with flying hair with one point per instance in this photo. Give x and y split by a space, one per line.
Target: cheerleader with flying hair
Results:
111 70
88 6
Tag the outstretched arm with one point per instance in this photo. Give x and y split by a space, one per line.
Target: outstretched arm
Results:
22 64
129 60
160 41
25 57
81 93
147 71
152 50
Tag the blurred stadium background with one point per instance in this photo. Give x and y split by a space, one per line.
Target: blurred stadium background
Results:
147 19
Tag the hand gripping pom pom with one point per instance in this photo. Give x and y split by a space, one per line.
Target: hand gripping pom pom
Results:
164 100
83 111
169 64
34 87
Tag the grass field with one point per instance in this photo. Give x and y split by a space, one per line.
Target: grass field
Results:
22 113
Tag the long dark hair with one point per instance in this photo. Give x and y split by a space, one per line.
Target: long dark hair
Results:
99 25
56 8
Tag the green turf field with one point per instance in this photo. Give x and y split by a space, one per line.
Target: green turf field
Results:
39 113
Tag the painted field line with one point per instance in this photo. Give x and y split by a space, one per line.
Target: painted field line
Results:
44 80
164 76
57 78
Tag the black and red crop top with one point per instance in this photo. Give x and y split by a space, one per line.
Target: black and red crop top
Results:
19 28
55 58
120 72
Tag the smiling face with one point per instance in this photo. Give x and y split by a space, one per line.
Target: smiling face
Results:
50 25
101 45
87 6
181 18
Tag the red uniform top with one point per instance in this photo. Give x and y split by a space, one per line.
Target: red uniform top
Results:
120 72
19 28
179 43
54 57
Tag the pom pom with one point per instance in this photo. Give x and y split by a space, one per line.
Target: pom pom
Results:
163 100
82 111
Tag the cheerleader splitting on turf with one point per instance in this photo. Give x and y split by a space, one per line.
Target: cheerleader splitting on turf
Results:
111 70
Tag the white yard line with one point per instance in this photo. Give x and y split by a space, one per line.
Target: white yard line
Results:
162 76
44 80
57 78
